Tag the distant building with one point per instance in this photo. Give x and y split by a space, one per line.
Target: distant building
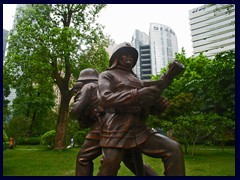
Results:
156 50
212 29
163 44
140 41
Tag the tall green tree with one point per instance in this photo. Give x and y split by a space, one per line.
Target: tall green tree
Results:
205 90
219 83
6 102
50 43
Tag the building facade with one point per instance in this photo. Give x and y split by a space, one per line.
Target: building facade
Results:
212 29
163 44
140 40
156 50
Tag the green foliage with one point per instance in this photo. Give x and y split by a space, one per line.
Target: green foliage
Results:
202 101
73 127
5 140
189 129
79 137
220 96
60 39
5 137
223 130
47 139
180 104
18 127
29 141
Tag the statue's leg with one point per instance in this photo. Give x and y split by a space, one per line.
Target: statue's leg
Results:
134 162
170 151
110 162
149 171
88 152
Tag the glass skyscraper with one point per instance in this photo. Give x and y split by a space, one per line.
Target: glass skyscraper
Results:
163 45
156 50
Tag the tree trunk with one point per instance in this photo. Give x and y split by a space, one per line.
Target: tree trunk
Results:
62 122
33 121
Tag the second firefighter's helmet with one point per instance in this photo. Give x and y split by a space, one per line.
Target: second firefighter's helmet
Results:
88 74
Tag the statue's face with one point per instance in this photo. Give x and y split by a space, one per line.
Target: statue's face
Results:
126 60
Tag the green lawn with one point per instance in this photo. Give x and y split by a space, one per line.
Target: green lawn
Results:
36 161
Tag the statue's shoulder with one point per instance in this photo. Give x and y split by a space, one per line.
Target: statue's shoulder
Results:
90 86
109 75
107 72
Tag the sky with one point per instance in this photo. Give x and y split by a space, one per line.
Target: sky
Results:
121 20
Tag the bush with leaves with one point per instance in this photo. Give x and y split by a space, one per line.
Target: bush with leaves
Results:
29 141
79 137
18 127
5 140
47 139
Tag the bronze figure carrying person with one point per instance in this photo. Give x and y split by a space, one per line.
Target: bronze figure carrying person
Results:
87 110
127 102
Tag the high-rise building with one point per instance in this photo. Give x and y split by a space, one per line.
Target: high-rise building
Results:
212 29
156 50
163 44
140 41
145 63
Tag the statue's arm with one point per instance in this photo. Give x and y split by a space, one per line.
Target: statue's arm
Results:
81 103
108 95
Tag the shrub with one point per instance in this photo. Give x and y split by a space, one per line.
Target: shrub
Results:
5 140
18 126
28 141
47 139
79 137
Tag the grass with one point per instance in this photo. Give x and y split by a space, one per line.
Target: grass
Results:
36 161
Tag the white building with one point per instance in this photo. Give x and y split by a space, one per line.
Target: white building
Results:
163 45
156 50
212 29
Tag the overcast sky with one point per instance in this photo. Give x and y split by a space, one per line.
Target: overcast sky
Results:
121 20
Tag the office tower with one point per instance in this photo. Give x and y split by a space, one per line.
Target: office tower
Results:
145 63
212 29
163 46
140 41
156 50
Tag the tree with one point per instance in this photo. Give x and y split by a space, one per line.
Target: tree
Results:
6 93
5 140
202 99
49 42
219 82
18 127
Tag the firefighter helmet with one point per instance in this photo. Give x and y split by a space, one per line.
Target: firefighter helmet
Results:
88 74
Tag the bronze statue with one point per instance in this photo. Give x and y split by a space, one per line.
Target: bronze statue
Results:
127 102
87 110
